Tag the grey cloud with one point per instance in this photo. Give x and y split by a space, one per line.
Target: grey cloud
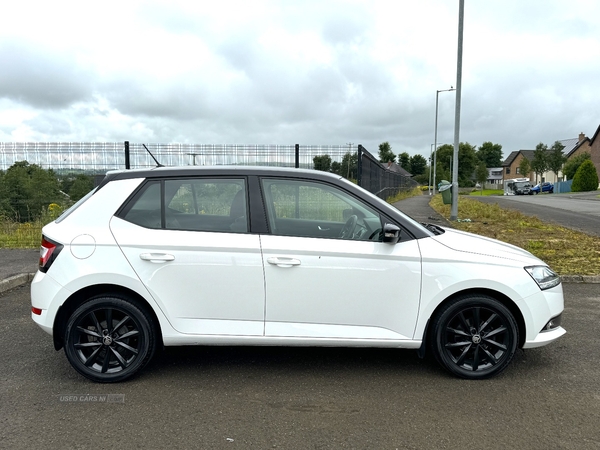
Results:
41 78
50 124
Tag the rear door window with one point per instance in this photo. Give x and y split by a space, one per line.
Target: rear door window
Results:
194 204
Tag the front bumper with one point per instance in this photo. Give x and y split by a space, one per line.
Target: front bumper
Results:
545 337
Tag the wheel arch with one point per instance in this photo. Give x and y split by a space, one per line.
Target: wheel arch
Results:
505 300
78 298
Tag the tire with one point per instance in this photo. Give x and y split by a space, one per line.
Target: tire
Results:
109 339
474 337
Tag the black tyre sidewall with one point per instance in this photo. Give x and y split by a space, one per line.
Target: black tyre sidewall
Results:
143 323
449 311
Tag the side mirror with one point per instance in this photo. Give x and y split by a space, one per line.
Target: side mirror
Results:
391 233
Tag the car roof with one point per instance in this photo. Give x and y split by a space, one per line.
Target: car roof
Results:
182 171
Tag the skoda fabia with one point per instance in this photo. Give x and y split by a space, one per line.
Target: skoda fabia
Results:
281 257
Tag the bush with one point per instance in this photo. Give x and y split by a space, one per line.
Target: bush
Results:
26 190
586 178
571 166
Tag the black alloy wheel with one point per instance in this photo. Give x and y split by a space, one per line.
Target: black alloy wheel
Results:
109 339
474 337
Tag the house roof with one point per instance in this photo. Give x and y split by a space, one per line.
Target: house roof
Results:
393 167
569 144
526 153
508 161
580 143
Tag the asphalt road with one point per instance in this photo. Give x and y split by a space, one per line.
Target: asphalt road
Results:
302 398
579 211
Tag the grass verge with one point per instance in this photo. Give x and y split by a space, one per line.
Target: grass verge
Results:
487 192
568 252
404 195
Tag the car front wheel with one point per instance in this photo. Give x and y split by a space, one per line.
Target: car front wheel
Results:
109 339
474 337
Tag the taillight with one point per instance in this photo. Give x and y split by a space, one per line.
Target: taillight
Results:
49 250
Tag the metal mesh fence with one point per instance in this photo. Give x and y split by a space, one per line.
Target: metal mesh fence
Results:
99 157
68 159
375 178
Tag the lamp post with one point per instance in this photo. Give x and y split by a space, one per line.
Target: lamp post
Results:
430 164
454 206
437 93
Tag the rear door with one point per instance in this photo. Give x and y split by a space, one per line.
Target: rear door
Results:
188 241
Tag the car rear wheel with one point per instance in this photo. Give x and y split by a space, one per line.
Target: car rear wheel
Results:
474 337
109 339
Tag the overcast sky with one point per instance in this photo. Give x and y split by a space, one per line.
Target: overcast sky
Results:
308 72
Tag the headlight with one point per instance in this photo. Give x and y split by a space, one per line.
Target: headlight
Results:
543 276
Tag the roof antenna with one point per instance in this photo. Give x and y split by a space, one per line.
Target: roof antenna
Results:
155 160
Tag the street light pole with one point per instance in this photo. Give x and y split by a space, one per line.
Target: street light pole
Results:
437 93
430 164
454 206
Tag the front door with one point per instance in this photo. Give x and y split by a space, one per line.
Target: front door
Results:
327 273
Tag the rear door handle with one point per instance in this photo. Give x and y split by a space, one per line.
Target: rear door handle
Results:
282 261
157 257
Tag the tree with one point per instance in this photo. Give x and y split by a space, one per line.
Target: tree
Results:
573 164
556 158
322 162
586 178
524 167
418 165
348 167
26 190
539 164
385 153
481 173
490 154
467 163
80 187
404 161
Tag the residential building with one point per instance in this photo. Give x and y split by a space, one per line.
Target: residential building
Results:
571 147
591 146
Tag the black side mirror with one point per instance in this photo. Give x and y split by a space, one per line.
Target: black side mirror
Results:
391 233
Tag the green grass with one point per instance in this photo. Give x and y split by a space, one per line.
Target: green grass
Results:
405 194
568 252
487 192
20 235
15 234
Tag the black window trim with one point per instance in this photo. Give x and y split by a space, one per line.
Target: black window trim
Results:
134 196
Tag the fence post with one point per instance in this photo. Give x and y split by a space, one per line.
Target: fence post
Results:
359 165
127 162
297 156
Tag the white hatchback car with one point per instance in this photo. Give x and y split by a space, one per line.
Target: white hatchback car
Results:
271 256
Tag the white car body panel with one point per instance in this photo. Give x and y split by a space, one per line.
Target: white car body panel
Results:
213 285
341 289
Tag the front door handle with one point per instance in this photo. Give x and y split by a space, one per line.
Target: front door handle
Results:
157 257
282 261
